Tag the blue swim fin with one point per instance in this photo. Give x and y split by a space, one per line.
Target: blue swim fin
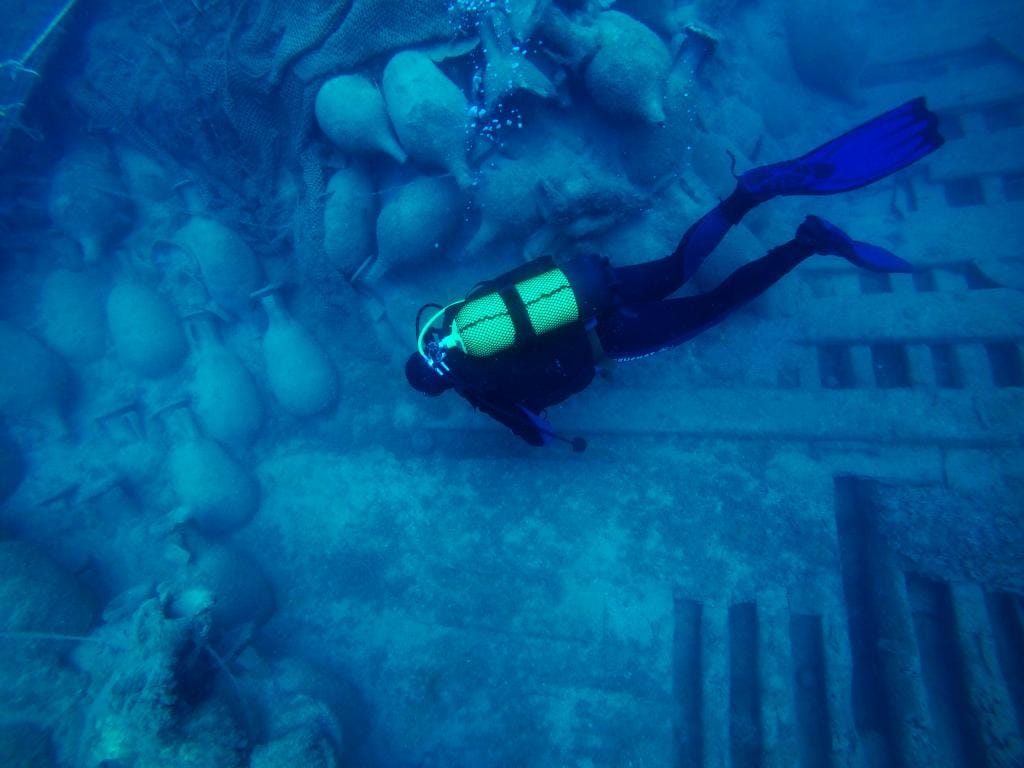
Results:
827 238
859 157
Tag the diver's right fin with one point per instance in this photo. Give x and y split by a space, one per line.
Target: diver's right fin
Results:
826 238
869 152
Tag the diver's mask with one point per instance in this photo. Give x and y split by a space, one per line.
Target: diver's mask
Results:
435 349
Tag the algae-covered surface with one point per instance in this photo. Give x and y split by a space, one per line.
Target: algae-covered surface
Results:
231 534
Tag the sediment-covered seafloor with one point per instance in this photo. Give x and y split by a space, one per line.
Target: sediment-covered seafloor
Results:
231 535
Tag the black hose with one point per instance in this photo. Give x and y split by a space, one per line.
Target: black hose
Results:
419 316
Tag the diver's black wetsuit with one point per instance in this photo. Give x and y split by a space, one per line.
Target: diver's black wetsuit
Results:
645 321
516 387
636 318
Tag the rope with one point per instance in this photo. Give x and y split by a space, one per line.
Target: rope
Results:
54 23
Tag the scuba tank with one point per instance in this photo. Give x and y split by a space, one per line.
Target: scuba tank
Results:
523 304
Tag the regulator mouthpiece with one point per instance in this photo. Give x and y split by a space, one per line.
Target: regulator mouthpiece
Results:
435 350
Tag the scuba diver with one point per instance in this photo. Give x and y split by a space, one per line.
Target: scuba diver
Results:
534 336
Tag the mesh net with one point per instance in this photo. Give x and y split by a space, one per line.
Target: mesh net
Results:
375 27
549 300
224 92
485 326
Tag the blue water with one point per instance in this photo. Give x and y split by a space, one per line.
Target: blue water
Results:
232 535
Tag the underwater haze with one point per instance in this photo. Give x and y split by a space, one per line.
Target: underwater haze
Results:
232 534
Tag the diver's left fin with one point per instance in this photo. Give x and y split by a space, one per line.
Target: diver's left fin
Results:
827 238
